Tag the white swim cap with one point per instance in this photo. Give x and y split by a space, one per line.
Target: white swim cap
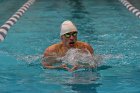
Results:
66 27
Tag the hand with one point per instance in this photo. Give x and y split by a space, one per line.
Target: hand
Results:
65 67
75 67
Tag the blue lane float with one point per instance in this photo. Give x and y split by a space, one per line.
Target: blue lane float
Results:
12 20
131 8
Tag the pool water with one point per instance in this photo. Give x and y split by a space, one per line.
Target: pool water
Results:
106 25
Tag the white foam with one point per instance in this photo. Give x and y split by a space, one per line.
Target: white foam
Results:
78 56
29 58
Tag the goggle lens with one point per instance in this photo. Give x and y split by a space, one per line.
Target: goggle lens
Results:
68 35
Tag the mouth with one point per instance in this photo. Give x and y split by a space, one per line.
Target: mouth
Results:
71 44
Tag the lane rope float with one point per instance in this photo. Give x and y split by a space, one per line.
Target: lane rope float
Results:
12 20
131 8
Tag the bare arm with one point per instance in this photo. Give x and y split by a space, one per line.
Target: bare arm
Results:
50 63
50 59
63 66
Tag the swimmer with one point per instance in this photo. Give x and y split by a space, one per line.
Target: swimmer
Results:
68 35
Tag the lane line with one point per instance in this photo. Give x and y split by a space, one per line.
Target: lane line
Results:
12 20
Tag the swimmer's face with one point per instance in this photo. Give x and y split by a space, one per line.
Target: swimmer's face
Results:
69 39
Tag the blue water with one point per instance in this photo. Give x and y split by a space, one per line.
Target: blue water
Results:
107 25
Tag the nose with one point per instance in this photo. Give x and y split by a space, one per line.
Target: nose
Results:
71 37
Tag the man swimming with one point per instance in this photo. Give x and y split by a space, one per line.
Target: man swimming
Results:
69 40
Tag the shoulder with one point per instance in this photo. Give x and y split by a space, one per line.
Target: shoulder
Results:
85 45
52 48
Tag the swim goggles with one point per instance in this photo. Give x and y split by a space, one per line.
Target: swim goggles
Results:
68 35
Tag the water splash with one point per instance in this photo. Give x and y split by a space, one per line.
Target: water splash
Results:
78 56
29 58
111 56
113 59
